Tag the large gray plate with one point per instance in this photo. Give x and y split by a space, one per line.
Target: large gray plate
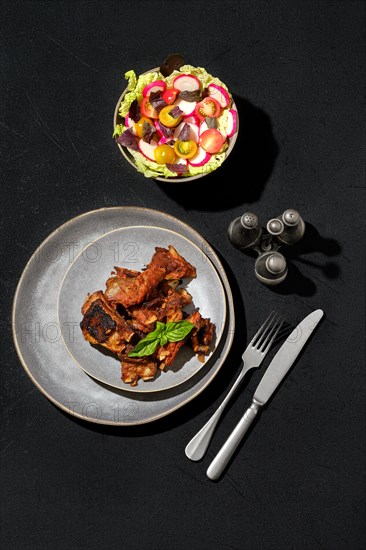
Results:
133 247
38 338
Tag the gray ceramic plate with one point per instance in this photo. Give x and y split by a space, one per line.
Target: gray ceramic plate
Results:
38 338
133 247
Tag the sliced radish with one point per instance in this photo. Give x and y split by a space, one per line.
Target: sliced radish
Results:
186 82
156 86
188 107
220 94
193 131
163 140
129 123
200 158
147 149
183 162
204 127
192 119
158 129
232 123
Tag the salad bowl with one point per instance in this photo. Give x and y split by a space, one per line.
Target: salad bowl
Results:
146 165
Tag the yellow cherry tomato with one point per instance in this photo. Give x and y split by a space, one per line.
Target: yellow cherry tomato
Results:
185 149
164 154
167 119
140 124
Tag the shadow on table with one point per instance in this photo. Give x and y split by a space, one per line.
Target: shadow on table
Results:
312 241
210 395
251 162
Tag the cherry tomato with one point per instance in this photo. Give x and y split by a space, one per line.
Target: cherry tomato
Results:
140 124
170 95
211 140
164 154
147 109
166 119
185 149
208 107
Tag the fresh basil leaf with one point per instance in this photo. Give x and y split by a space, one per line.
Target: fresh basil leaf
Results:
144 348
176 167
148 131
156 100
178 330
186 95
163 339
184 133
128 139
175 112
134 112
211 122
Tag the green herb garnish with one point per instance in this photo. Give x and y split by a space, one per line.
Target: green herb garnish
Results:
170 332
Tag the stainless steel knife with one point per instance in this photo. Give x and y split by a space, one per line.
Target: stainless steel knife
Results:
275 373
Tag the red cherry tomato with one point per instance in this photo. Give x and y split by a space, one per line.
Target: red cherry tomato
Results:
208 107
147 109
211 141
170 95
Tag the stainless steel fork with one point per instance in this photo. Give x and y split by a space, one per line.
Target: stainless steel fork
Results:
252 358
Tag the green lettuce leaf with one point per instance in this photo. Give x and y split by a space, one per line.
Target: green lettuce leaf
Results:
134 91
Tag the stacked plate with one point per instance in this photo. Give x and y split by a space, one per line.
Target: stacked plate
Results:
78 258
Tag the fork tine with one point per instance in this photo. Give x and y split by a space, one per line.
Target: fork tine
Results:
262 327
268 328
272 335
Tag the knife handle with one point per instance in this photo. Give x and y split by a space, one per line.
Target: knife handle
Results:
224 455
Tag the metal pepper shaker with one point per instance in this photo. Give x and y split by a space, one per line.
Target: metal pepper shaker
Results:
245 232
294 227
270 268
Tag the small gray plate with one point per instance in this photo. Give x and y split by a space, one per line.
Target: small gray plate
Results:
39 342
133 247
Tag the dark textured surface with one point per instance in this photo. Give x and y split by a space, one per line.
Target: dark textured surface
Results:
297 72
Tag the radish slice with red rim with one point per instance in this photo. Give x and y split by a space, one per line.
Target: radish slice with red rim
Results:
193 131
147 149
220 94
188 107
156 86
200 158
186 82
232 122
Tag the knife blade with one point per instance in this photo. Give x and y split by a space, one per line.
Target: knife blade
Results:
275 373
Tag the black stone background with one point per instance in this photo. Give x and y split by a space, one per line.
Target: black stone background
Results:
297 71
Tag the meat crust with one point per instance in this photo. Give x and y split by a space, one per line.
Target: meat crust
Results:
131 306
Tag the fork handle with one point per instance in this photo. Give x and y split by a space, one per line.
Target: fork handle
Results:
197 447
224 455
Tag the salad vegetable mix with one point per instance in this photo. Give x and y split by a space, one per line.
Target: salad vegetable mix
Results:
176 126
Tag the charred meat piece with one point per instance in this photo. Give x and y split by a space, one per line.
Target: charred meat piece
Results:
201 338
175 265
166 307
129 289
103 325
166 354
134 368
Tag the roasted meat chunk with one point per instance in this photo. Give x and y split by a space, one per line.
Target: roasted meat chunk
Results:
168 306
166 354
103 325
129 289
134 368
130 309
201 337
